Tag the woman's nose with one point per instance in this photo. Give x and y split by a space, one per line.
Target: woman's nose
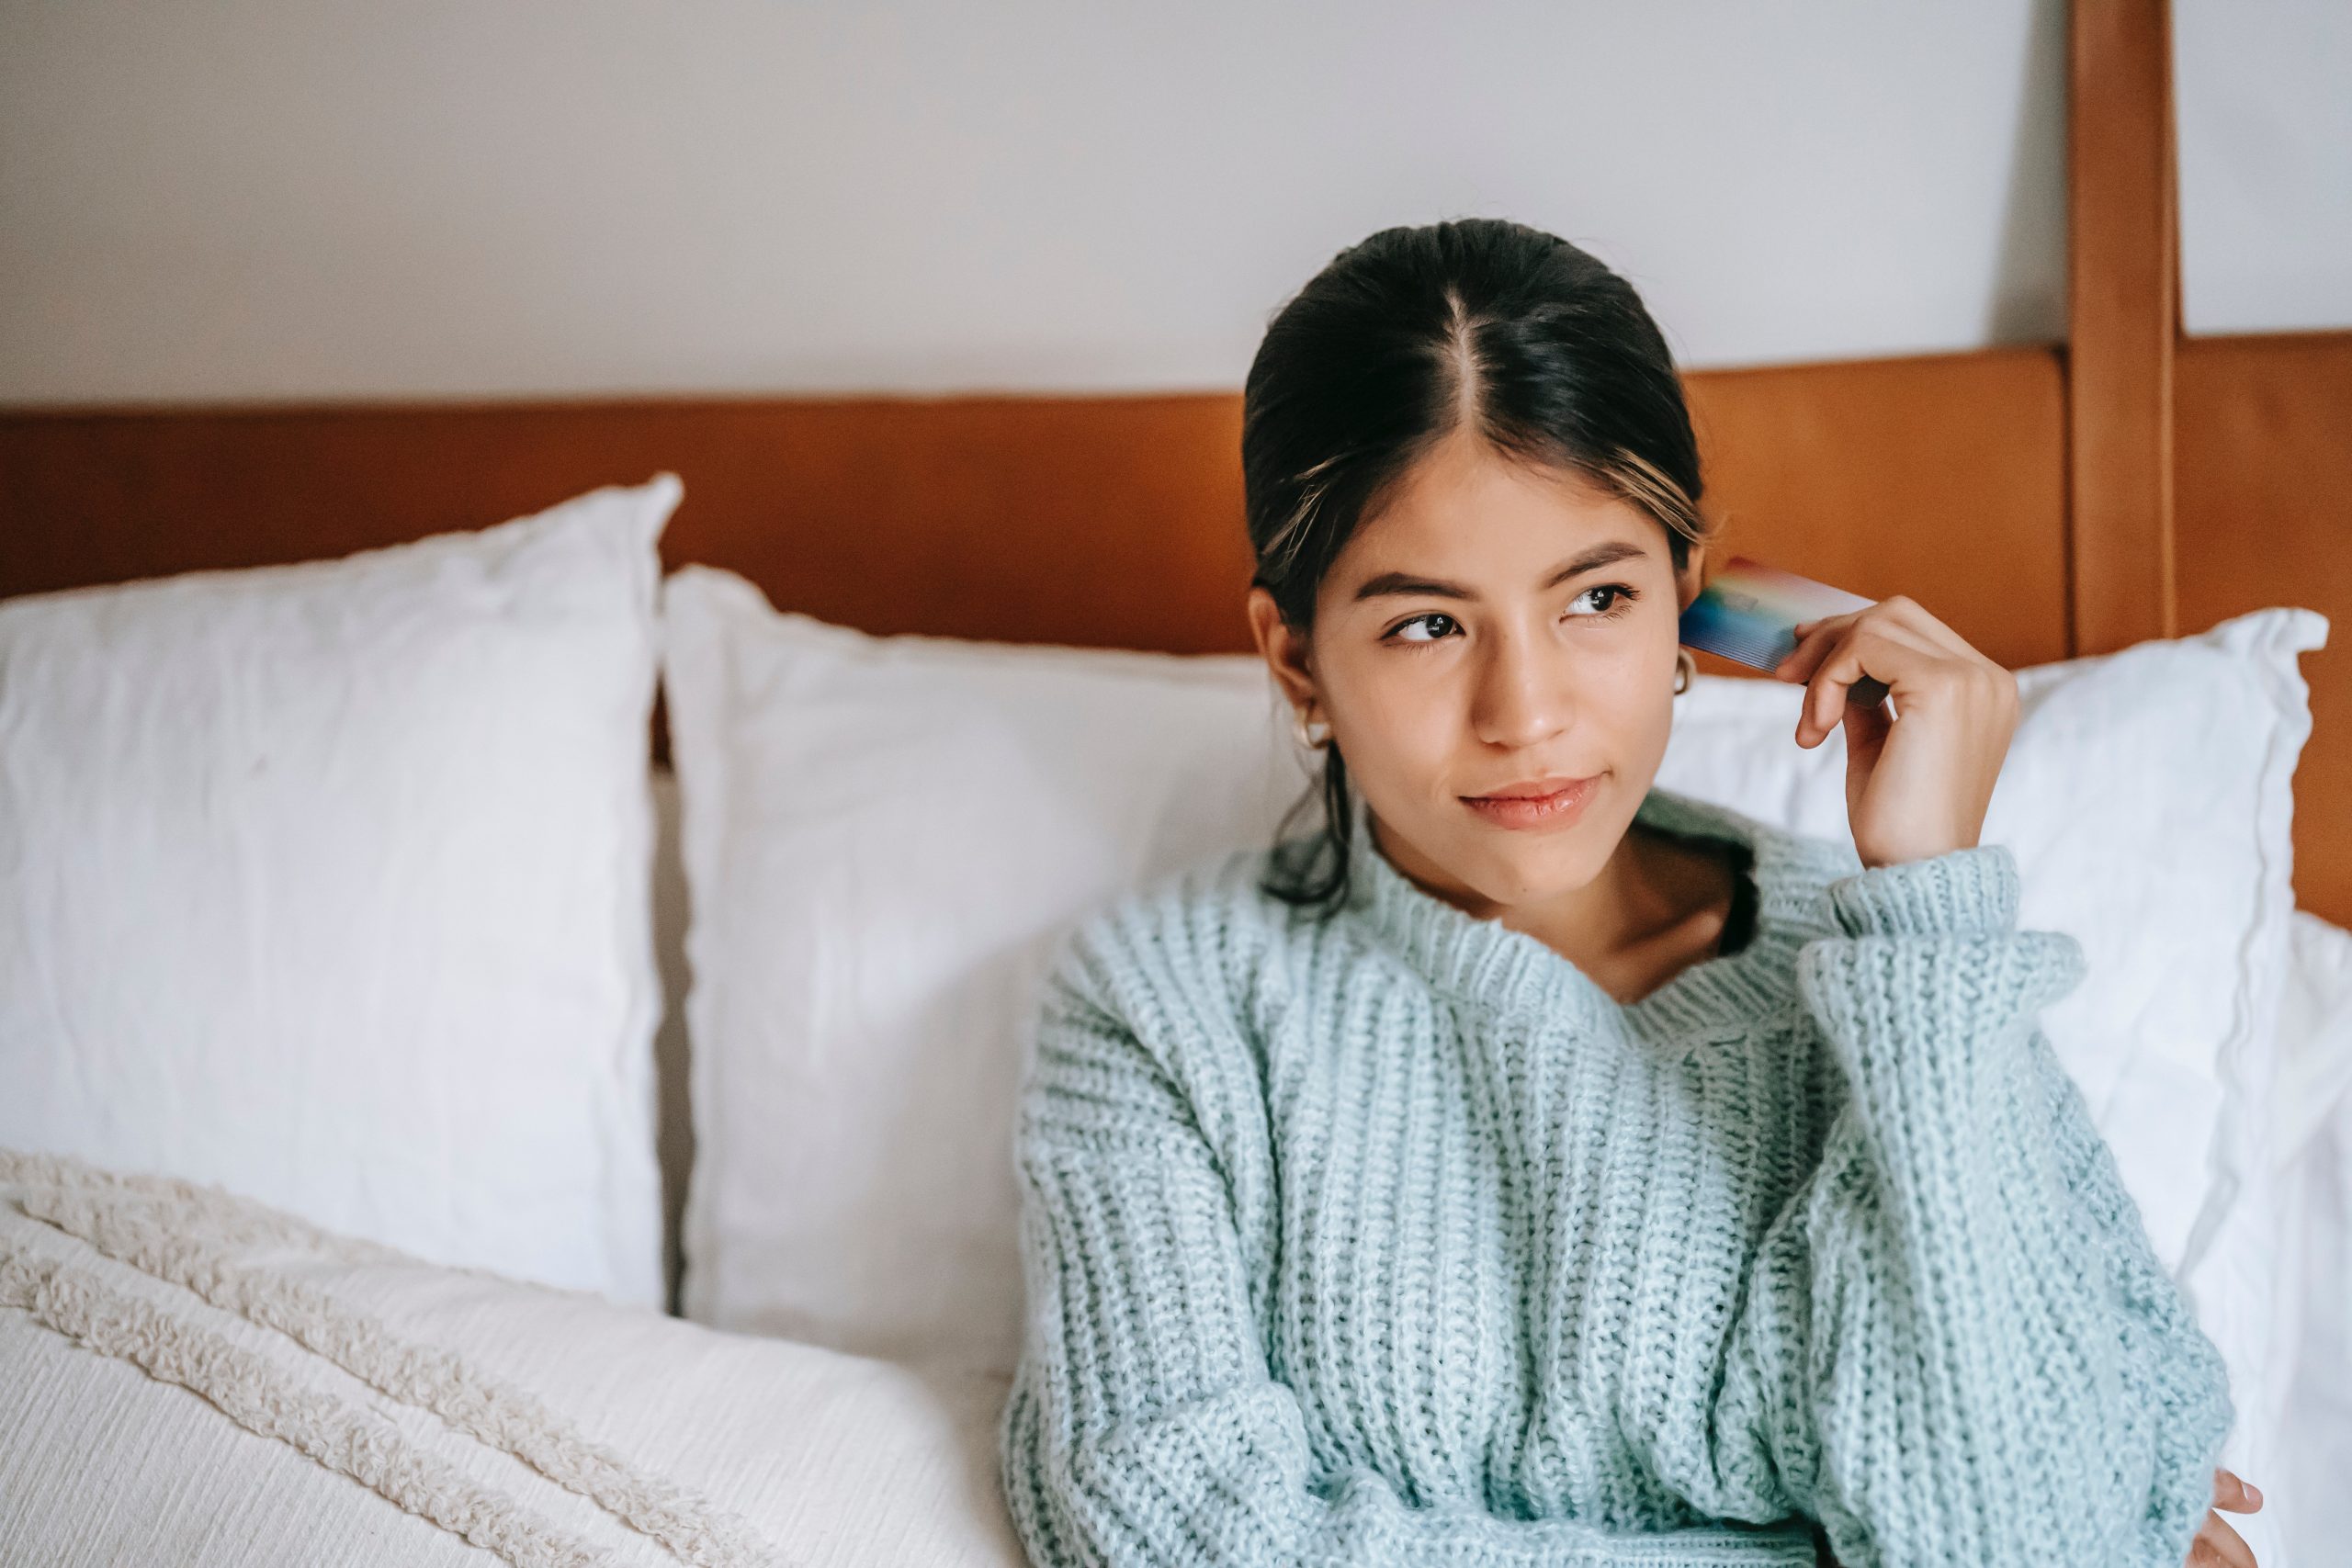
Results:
1522 696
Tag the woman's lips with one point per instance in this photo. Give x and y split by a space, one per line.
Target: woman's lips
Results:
1554 811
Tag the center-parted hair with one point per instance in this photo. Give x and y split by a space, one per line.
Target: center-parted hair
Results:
1399 341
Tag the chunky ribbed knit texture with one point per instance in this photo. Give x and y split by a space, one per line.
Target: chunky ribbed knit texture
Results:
1399 1240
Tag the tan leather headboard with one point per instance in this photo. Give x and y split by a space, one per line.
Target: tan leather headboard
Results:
2044 501
1112 521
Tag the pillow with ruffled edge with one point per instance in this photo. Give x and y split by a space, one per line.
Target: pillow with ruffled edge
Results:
2148 796
330 882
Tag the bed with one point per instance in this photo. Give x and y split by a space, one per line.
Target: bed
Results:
2055 503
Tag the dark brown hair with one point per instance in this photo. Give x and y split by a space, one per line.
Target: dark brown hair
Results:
1384 351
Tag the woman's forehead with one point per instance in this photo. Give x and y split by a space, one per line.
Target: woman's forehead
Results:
1507 537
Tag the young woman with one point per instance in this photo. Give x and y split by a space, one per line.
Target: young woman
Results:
1535 1165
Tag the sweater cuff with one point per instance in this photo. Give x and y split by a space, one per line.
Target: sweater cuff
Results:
1960 892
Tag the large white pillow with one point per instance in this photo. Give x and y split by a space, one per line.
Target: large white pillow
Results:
883 835
2148 795
330 883
187 1378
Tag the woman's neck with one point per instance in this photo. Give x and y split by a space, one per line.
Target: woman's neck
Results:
1660 903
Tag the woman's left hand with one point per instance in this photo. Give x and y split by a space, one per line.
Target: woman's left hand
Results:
1918 779
2216 1545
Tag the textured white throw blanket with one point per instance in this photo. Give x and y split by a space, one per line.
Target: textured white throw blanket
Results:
522 1421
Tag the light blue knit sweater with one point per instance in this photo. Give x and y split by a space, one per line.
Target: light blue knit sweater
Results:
1399 1240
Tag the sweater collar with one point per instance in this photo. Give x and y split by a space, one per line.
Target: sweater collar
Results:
1485 962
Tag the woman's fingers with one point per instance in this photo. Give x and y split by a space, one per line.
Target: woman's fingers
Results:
2233 1494
2218 1546
1836 654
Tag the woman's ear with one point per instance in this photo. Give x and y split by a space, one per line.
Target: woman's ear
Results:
1692 579
1285 651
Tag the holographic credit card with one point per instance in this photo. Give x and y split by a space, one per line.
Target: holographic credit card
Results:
1745 613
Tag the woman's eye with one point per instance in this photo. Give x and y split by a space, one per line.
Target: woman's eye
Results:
1619 596
1400 631
1438 625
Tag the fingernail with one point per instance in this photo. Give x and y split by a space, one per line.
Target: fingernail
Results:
2254 1492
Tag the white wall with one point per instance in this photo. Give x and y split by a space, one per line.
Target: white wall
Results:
294 198
2262 91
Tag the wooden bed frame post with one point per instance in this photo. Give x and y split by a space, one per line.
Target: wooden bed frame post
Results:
2124 308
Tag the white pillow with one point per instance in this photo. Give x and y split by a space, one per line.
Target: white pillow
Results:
330 883
884 836
2147 795
186 1378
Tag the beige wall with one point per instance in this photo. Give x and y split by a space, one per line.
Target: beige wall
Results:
300 198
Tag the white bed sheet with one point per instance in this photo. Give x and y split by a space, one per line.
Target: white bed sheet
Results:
2308 1504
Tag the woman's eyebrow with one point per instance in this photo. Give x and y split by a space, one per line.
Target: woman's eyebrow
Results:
1404 584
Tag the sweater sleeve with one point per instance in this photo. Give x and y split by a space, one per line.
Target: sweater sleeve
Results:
1144 1425
1972 1351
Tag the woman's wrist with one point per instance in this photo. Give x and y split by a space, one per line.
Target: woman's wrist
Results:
1971 890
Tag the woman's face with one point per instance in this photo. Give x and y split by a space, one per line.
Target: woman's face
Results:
1497 623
